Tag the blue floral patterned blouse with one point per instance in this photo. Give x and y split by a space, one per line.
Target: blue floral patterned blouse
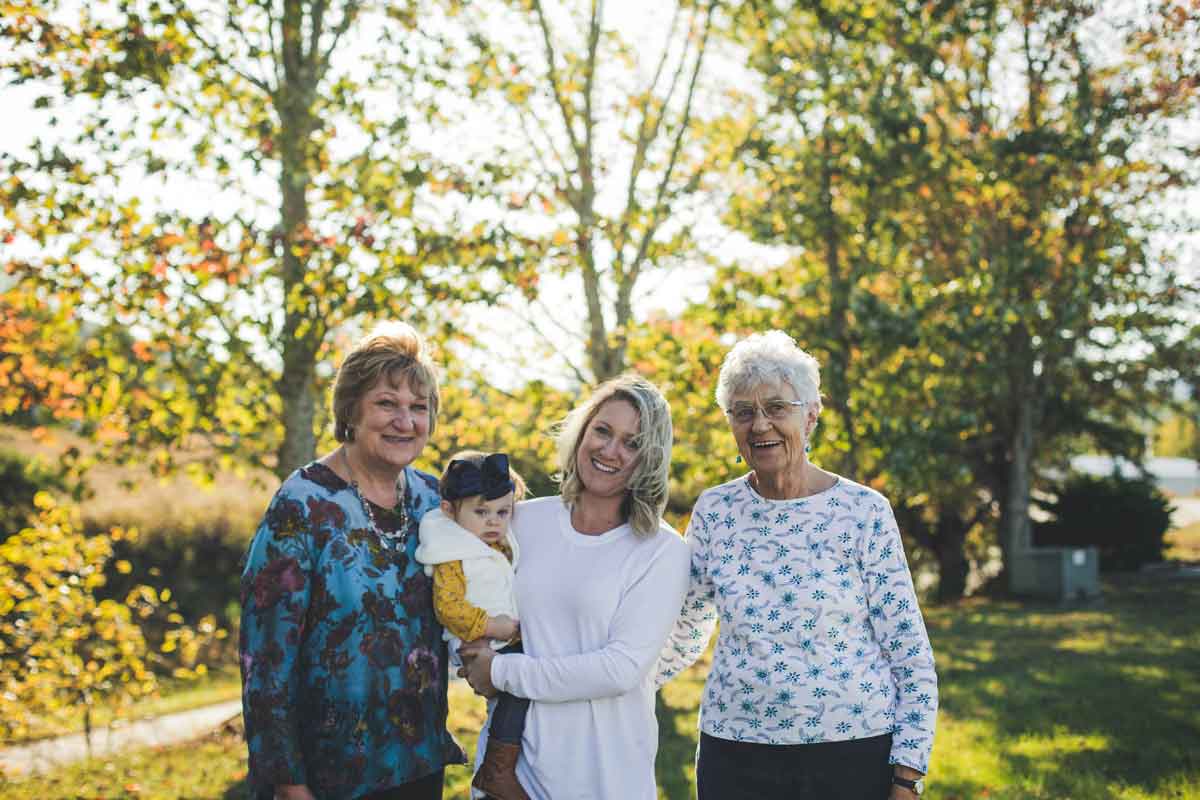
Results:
344 671
821 638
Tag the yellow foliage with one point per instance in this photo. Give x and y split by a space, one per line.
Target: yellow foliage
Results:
62 645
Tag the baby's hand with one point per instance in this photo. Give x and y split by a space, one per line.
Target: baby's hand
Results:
502 628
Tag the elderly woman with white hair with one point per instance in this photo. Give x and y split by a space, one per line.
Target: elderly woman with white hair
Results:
822 682
599 588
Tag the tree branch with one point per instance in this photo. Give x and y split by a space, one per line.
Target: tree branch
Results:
348 16
647 133
658 211
552 75
537 330
217 56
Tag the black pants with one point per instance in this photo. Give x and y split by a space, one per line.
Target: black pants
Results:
508 717
852 770
427 788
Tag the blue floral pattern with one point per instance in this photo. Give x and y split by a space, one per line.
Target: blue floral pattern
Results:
343 666
821 638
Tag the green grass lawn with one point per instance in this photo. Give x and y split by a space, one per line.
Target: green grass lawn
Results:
1038 703
1093 703
1183 544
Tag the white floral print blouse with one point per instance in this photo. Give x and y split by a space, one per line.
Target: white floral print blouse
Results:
821 638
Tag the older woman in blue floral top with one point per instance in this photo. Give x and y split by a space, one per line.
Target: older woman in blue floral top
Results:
822 683
343 666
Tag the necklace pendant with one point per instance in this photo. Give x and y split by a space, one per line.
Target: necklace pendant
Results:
393 539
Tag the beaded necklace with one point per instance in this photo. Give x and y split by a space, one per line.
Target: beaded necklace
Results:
397 539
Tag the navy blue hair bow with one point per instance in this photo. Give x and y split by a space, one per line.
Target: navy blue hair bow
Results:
490 479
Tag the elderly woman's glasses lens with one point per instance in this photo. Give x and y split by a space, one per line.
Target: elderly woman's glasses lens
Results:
744 413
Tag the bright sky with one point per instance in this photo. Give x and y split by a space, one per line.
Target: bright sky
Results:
562 308
560 311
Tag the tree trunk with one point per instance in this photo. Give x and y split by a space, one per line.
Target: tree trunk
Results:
303 330
298 395
952 560
297 391
1015 530
946 538
87 727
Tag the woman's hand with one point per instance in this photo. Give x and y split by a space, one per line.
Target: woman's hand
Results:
477 667
296 791
502 628
469 650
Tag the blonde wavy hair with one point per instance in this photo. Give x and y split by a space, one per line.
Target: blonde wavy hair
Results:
646 494
394 350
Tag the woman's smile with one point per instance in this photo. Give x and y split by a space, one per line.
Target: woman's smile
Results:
612 470
773 439
608 451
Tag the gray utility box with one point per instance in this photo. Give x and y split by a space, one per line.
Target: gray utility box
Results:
1056 573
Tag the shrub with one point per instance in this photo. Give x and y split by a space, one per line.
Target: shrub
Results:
1126 519
20 480
62 644
197 552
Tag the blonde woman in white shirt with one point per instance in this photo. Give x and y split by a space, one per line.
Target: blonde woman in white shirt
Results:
599 587
822 682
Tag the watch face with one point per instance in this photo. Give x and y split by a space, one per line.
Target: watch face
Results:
919 786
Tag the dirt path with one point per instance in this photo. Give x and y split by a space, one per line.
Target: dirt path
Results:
1187 511
49 753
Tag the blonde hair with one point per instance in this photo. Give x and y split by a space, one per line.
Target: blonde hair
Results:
771 357
395 351
646 494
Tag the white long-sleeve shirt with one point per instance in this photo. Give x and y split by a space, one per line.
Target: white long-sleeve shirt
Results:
595 615
821 638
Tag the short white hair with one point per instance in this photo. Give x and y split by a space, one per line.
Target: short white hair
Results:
771 357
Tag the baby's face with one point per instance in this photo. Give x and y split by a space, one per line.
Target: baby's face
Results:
487 519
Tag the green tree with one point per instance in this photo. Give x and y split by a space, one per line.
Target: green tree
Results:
829 176
968 272
605 164
1070 320
292 201
683 358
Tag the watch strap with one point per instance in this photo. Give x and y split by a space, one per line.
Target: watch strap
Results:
913 786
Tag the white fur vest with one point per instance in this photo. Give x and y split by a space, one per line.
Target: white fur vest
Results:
488 574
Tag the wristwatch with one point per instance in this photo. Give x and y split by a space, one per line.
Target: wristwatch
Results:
916 787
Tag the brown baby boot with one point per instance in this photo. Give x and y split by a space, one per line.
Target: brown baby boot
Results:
497 775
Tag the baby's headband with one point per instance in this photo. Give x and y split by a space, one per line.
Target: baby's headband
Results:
490 479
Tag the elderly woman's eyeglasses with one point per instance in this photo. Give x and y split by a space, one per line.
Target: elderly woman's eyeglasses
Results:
775 410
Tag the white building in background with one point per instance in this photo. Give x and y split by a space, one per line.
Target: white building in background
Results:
1177 476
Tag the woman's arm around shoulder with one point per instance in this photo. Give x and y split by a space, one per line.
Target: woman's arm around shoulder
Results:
697 617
